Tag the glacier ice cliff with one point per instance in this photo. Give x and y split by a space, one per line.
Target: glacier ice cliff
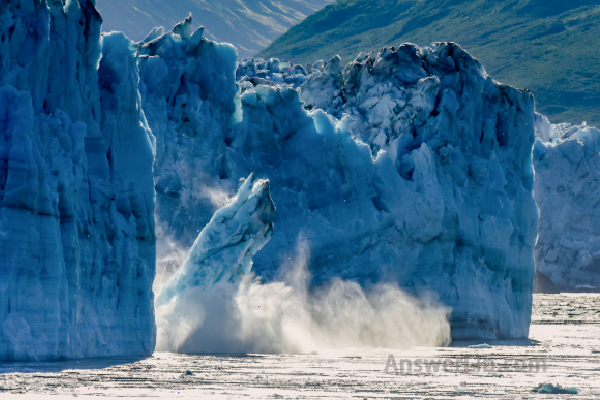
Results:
408 165
188 97
77 240
567 183
223 251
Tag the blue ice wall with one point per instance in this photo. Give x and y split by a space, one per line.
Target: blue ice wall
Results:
77 240
408 165
567 188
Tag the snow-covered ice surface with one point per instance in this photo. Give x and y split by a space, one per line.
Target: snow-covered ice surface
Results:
351 373
425 182
567 188
77 240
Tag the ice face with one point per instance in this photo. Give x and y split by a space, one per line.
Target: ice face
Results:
567 182
425 180
77 241
224 249
418 170
187 87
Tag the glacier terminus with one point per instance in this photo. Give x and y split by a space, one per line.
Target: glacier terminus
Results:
409 166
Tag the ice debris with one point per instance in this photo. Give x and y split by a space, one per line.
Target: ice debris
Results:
480 346
224 249
547 388
273 71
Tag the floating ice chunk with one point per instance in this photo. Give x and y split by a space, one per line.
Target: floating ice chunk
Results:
585 287
548 388
480 346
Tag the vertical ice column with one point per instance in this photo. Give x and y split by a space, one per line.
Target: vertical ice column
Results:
224 249
188 89
76 189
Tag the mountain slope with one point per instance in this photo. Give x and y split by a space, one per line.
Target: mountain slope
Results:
250 25
546 46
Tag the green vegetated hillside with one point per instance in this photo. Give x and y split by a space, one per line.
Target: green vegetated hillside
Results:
551 47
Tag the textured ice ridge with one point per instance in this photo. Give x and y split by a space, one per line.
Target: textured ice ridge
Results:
223 250
77 240
567 187
412 166
251 72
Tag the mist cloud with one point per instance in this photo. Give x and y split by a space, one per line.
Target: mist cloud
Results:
285 317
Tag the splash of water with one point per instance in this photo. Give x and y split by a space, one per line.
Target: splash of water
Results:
285 317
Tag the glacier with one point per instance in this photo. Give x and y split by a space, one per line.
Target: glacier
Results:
77 238
567 164
223 251
409 165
